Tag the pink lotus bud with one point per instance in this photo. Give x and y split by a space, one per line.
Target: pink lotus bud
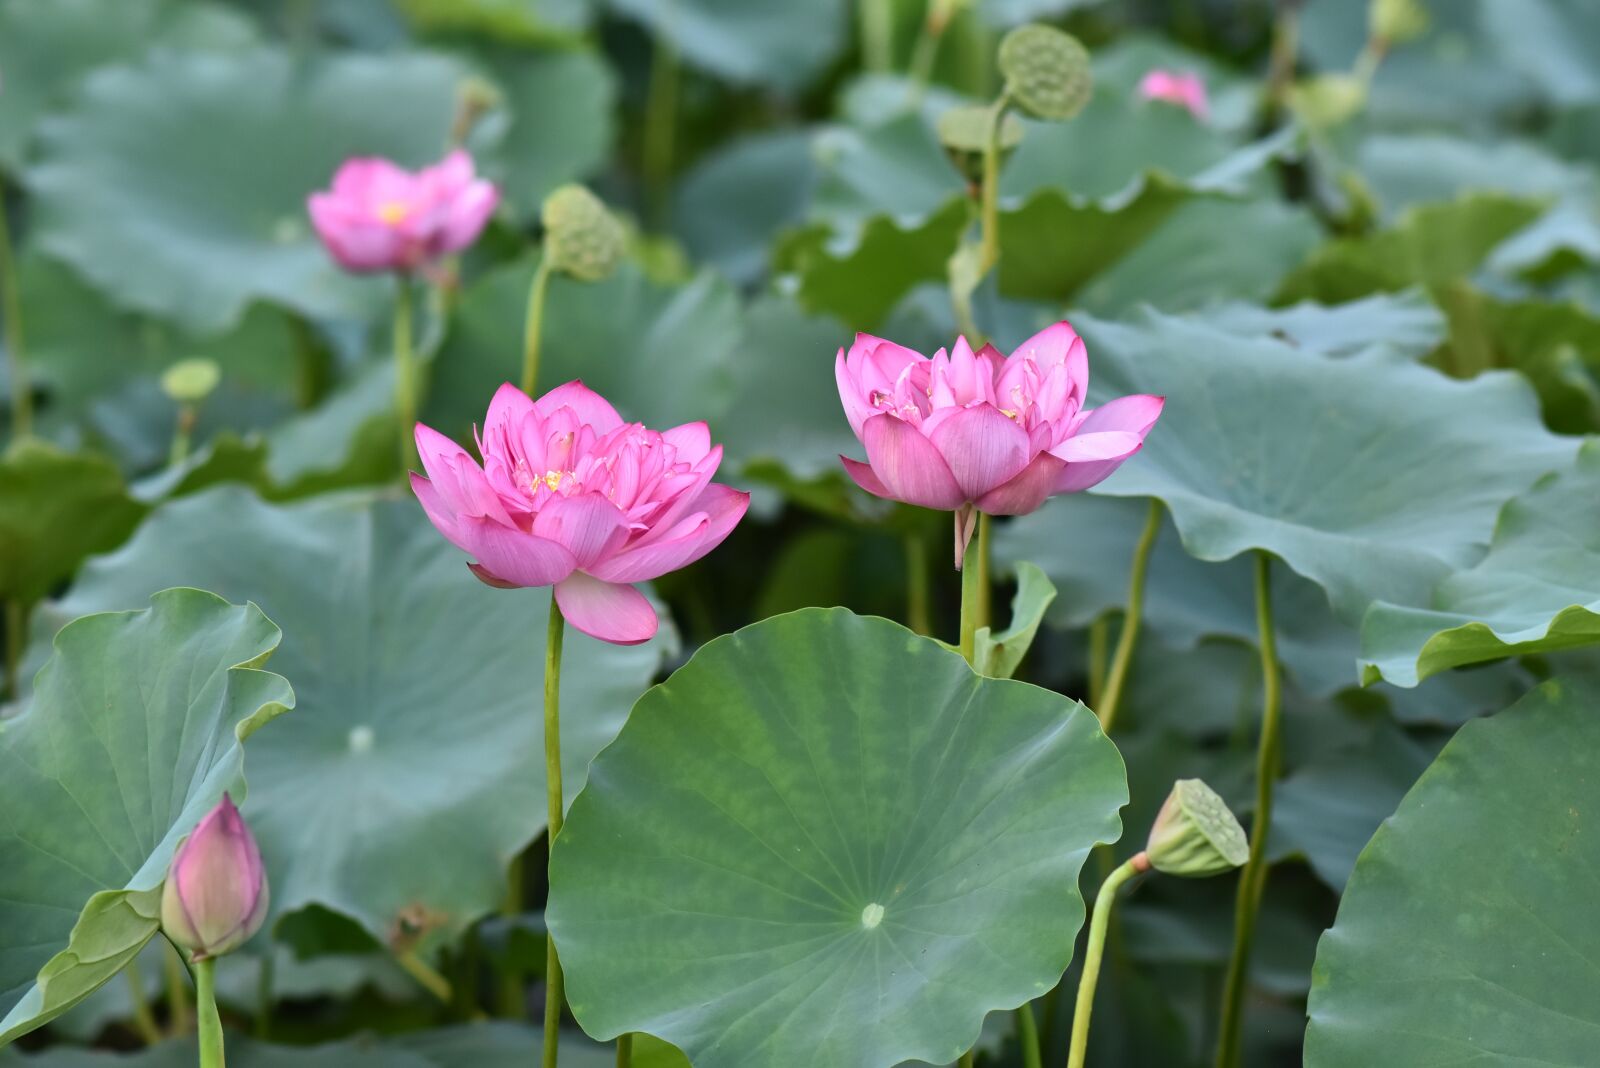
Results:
215 897
570 496
1185 90
1000 434
380 217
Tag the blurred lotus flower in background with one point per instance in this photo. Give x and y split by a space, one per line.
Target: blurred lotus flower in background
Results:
215 896
570 496
381 217
1184 89
981 430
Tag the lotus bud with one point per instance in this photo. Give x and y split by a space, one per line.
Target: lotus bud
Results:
582 238
191 381
964 132
215 897
1047 71
1195 834
1396 21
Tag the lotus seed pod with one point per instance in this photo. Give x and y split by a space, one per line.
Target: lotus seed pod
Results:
1329 99
582 238
191 381
1047 71
1396 21
215 896
964 132
1195 834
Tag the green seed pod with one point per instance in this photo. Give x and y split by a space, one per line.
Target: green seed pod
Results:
1195 834
1396 21
582 238
964 132
1328 99
191 381
1047 71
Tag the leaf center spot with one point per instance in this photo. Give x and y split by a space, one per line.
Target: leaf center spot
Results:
871 916
361 739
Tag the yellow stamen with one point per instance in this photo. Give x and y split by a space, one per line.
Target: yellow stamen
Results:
1008 413
393 211
553 479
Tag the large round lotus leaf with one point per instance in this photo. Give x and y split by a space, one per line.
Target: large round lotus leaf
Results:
1538 590
421 731
1407 322
1466 934
826 841
729 205
46 46
763 42
545 145
134 732
1370 475
195 228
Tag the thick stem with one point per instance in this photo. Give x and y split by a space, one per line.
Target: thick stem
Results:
423 973
264 996
1028 1036
968 1059
512 1002
989 221
405 375
1093 951
877 34
11 310
533 326
205 1002
917 584
972 579
985 590
179 1019
625 1051
1253 880
552 777
144 1021
660 127
1111 697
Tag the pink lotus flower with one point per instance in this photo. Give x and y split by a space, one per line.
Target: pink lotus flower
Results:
1184 89
570 496
982 431
381 217
215 896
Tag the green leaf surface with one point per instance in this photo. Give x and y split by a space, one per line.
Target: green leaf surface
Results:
774 43
1537 590
134 732
545 145
194 229
55 509
826 841
421 732
1407 322
1369 475
728 207
1466 933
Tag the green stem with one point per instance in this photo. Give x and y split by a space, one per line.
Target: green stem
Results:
512 1003
927 46
182 433
552 778
423 973
14 631
1028 1036
11 310
264 981
179 1019
989 249
1094 950
1252 881
1285 52
972 578
1111 696
968 1059
660 126
533 326
625 1051
144 1021
1099 650
917 584
405 375
877 34
205 1000
985 591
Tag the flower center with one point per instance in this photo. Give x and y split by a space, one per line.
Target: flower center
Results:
393 211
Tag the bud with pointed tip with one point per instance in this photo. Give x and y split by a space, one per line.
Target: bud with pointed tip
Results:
215 897
1195 834
582 238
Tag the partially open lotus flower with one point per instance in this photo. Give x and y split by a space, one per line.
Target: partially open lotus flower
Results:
215 896
379 216
980 430
570 496
1184 89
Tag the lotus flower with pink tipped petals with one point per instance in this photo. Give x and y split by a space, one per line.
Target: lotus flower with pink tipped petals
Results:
981 431
1183 89
215 895
570 496
379 216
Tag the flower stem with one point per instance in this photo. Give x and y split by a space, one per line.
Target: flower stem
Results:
11 311
660 126
972 579
1028 1036
984 588
1099 643
1111 695
144 1021
1252 881
533 326
625 1051
989 250
264 996
968 1059
179 1018
917 584
431 980
927 47
405 375
552 778
1094 950
205 1000
512 1004
183 431
877 34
